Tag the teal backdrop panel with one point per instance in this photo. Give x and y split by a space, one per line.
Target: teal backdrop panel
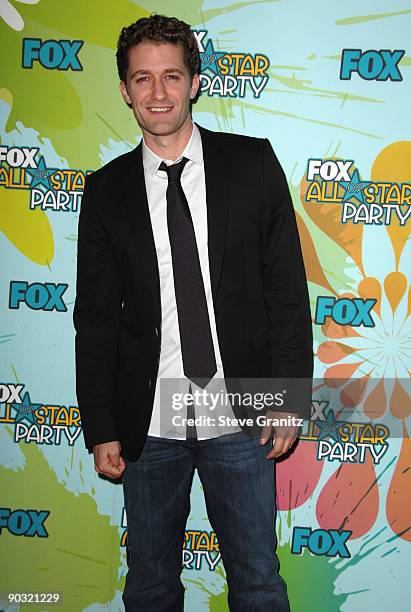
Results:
329 84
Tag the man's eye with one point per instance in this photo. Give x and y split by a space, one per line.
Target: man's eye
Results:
172 76
142 79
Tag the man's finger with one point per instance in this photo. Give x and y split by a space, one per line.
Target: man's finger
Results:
287 445
277 448
108 468
116 459
265 434
109 473
279 445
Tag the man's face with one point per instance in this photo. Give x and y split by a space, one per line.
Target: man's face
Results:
159 87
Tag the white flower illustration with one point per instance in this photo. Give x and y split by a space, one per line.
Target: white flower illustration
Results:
11 16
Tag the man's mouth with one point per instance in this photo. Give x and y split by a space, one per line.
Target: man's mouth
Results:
159 109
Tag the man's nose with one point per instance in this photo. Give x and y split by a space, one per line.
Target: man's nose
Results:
159 92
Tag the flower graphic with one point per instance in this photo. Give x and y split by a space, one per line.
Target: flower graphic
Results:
11 16
370 366
379 356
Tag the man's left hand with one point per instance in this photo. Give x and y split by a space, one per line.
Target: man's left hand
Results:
284 436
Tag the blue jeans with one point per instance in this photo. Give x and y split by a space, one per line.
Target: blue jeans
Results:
239 489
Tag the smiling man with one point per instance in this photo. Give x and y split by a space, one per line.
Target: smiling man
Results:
161 104
190 270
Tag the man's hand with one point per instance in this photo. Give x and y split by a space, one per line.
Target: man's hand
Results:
107 459
283 436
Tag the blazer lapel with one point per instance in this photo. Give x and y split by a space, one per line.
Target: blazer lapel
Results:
140 224
217 177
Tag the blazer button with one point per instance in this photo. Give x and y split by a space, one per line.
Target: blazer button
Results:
156 330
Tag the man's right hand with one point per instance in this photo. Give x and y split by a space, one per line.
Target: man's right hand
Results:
107 459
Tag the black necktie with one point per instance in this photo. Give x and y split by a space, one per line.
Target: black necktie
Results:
195 333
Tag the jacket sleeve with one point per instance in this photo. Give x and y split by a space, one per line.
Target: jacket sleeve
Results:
96 317
285 289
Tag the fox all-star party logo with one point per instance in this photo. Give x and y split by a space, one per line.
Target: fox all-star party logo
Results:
328 542
371 65
52 54
355 312
29 523
37 296
199 547
342 441
336 181
37 421
57 189
227 74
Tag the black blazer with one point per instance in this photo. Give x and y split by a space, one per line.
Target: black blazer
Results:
258 282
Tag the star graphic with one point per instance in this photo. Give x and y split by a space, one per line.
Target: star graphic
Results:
329 427
210 57
40 175
354 194
25 410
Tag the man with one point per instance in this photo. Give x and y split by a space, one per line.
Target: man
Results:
189 269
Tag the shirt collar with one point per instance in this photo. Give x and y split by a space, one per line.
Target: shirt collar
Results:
193 151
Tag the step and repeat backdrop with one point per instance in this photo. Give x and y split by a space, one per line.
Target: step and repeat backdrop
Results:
329 84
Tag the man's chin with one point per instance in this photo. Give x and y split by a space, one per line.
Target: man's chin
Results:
162 127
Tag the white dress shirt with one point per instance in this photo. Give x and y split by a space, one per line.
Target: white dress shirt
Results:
171 362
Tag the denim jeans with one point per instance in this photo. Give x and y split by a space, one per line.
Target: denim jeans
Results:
239 489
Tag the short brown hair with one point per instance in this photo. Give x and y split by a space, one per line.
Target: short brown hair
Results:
158 28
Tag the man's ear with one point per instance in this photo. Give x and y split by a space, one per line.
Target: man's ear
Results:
195 84
124 93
